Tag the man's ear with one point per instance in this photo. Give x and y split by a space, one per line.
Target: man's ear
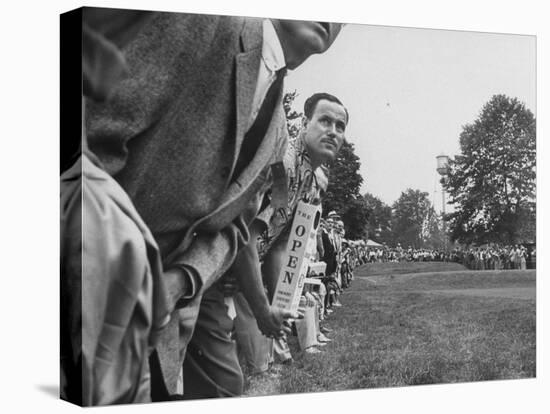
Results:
305 122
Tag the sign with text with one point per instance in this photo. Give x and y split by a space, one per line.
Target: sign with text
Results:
297 256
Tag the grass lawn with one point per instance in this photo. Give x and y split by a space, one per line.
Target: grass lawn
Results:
397 328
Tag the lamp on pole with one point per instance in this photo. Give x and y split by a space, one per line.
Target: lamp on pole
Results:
443 170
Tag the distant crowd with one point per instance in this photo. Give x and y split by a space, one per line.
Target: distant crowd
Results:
491 257
496 257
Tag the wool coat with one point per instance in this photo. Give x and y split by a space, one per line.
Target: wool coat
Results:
171 136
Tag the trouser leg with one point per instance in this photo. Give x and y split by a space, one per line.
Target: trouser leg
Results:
252 344
322 295
211 367
307 335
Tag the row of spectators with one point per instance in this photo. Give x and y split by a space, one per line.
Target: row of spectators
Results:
490 257
496 257
381 254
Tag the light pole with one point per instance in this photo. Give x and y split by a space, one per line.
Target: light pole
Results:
443 170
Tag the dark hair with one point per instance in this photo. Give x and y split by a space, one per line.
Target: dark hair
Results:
311 103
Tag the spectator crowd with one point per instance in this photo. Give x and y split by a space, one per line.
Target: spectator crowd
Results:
489 257
496 257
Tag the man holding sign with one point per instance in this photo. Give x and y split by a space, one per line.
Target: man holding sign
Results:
320 140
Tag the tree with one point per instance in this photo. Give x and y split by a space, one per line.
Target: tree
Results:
379 219
293 118
342 194
355 217
433 236
409 215
492 182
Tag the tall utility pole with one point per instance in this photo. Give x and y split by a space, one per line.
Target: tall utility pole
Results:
443 170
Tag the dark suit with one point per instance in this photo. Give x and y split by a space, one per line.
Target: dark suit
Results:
329 256
171 136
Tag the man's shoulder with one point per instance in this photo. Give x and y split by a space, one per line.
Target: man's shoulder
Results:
195 23
189 36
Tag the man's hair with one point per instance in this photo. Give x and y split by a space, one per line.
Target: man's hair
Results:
311 103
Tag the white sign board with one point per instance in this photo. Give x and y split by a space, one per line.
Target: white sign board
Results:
297 256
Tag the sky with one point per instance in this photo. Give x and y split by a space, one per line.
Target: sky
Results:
409 92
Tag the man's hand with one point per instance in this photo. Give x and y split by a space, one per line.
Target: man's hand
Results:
176 286
275 322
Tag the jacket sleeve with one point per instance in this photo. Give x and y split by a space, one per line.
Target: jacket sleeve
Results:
210 255
117 298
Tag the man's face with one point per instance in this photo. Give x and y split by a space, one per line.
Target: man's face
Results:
324 132
303 38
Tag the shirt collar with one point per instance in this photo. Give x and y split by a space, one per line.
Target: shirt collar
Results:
272 51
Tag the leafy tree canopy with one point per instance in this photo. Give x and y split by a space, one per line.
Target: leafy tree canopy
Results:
492 182
379 219
409 216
